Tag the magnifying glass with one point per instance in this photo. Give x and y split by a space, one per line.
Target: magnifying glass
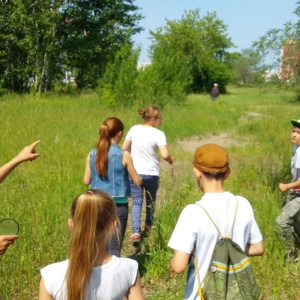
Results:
9 227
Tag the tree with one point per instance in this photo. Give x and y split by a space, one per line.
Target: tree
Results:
117 87
193 50
93 32
246 66
27 38
41 39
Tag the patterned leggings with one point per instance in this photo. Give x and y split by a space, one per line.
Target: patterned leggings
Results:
150 185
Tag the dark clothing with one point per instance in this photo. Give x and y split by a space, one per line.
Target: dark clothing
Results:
150 185
215 93
114 246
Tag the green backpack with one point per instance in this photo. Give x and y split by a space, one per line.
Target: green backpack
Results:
229 275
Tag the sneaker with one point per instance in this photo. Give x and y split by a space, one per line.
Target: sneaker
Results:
292 256
136 239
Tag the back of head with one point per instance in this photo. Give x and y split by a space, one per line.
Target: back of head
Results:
211 159
93 214
110 127
150 113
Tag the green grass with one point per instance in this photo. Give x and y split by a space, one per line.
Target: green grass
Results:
38 194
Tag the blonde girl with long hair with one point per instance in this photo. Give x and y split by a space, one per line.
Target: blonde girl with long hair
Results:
108 168
91 273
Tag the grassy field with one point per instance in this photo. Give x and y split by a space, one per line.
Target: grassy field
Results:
38 194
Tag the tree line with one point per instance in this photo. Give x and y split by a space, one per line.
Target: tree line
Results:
41 41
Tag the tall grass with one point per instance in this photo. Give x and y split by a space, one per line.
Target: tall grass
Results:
38 194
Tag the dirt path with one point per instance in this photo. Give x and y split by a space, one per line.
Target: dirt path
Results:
222 139
189 145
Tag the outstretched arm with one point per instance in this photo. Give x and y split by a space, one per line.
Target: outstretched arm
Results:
6 241
28 153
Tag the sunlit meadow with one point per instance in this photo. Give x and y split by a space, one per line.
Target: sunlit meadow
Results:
255 124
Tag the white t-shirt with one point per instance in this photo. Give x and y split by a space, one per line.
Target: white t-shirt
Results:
110 281
295 166
145 141
195 227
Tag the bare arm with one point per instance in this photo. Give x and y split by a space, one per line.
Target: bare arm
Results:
6 241
180 261
135 292
165 154
126 145
287 186
28 153
127 161
257 249
87 178
43 294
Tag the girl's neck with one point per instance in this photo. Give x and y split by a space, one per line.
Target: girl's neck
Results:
103 258
115 140
148 124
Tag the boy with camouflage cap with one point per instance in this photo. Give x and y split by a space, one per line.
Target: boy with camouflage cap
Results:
194 231
287 216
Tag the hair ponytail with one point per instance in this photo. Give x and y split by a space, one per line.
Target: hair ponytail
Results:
150 113
108 130
93 214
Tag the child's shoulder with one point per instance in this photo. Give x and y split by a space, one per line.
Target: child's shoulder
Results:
126 262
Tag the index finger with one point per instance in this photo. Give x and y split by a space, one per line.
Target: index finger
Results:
10 237
35 143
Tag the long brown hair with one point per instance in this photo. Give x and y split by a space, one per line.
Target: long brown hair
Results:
150 113
93 214
108 130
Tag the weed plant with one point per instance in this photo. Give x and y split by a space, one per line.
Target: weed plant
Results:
38 194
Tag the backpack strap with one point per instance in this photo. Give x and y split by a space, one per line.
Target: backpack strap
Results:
200 290
231 229
200 293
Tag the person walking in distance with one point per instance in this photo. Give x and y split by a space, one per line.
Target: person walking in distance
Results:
215 92
143 141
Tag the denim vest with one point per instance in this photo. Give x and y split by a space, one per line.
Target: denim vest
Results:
117 181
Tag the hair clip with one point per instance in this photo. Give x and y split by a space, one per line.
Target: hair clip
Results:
90 192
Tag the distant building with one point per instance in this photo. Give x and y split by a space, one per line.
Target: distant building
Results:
290 59
143 64
273 74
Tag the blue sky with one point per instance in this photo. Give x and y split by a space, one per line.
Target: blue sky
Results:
247 20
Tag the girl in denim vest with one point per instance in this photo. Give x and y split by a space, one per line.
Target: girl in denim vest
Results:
108 168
